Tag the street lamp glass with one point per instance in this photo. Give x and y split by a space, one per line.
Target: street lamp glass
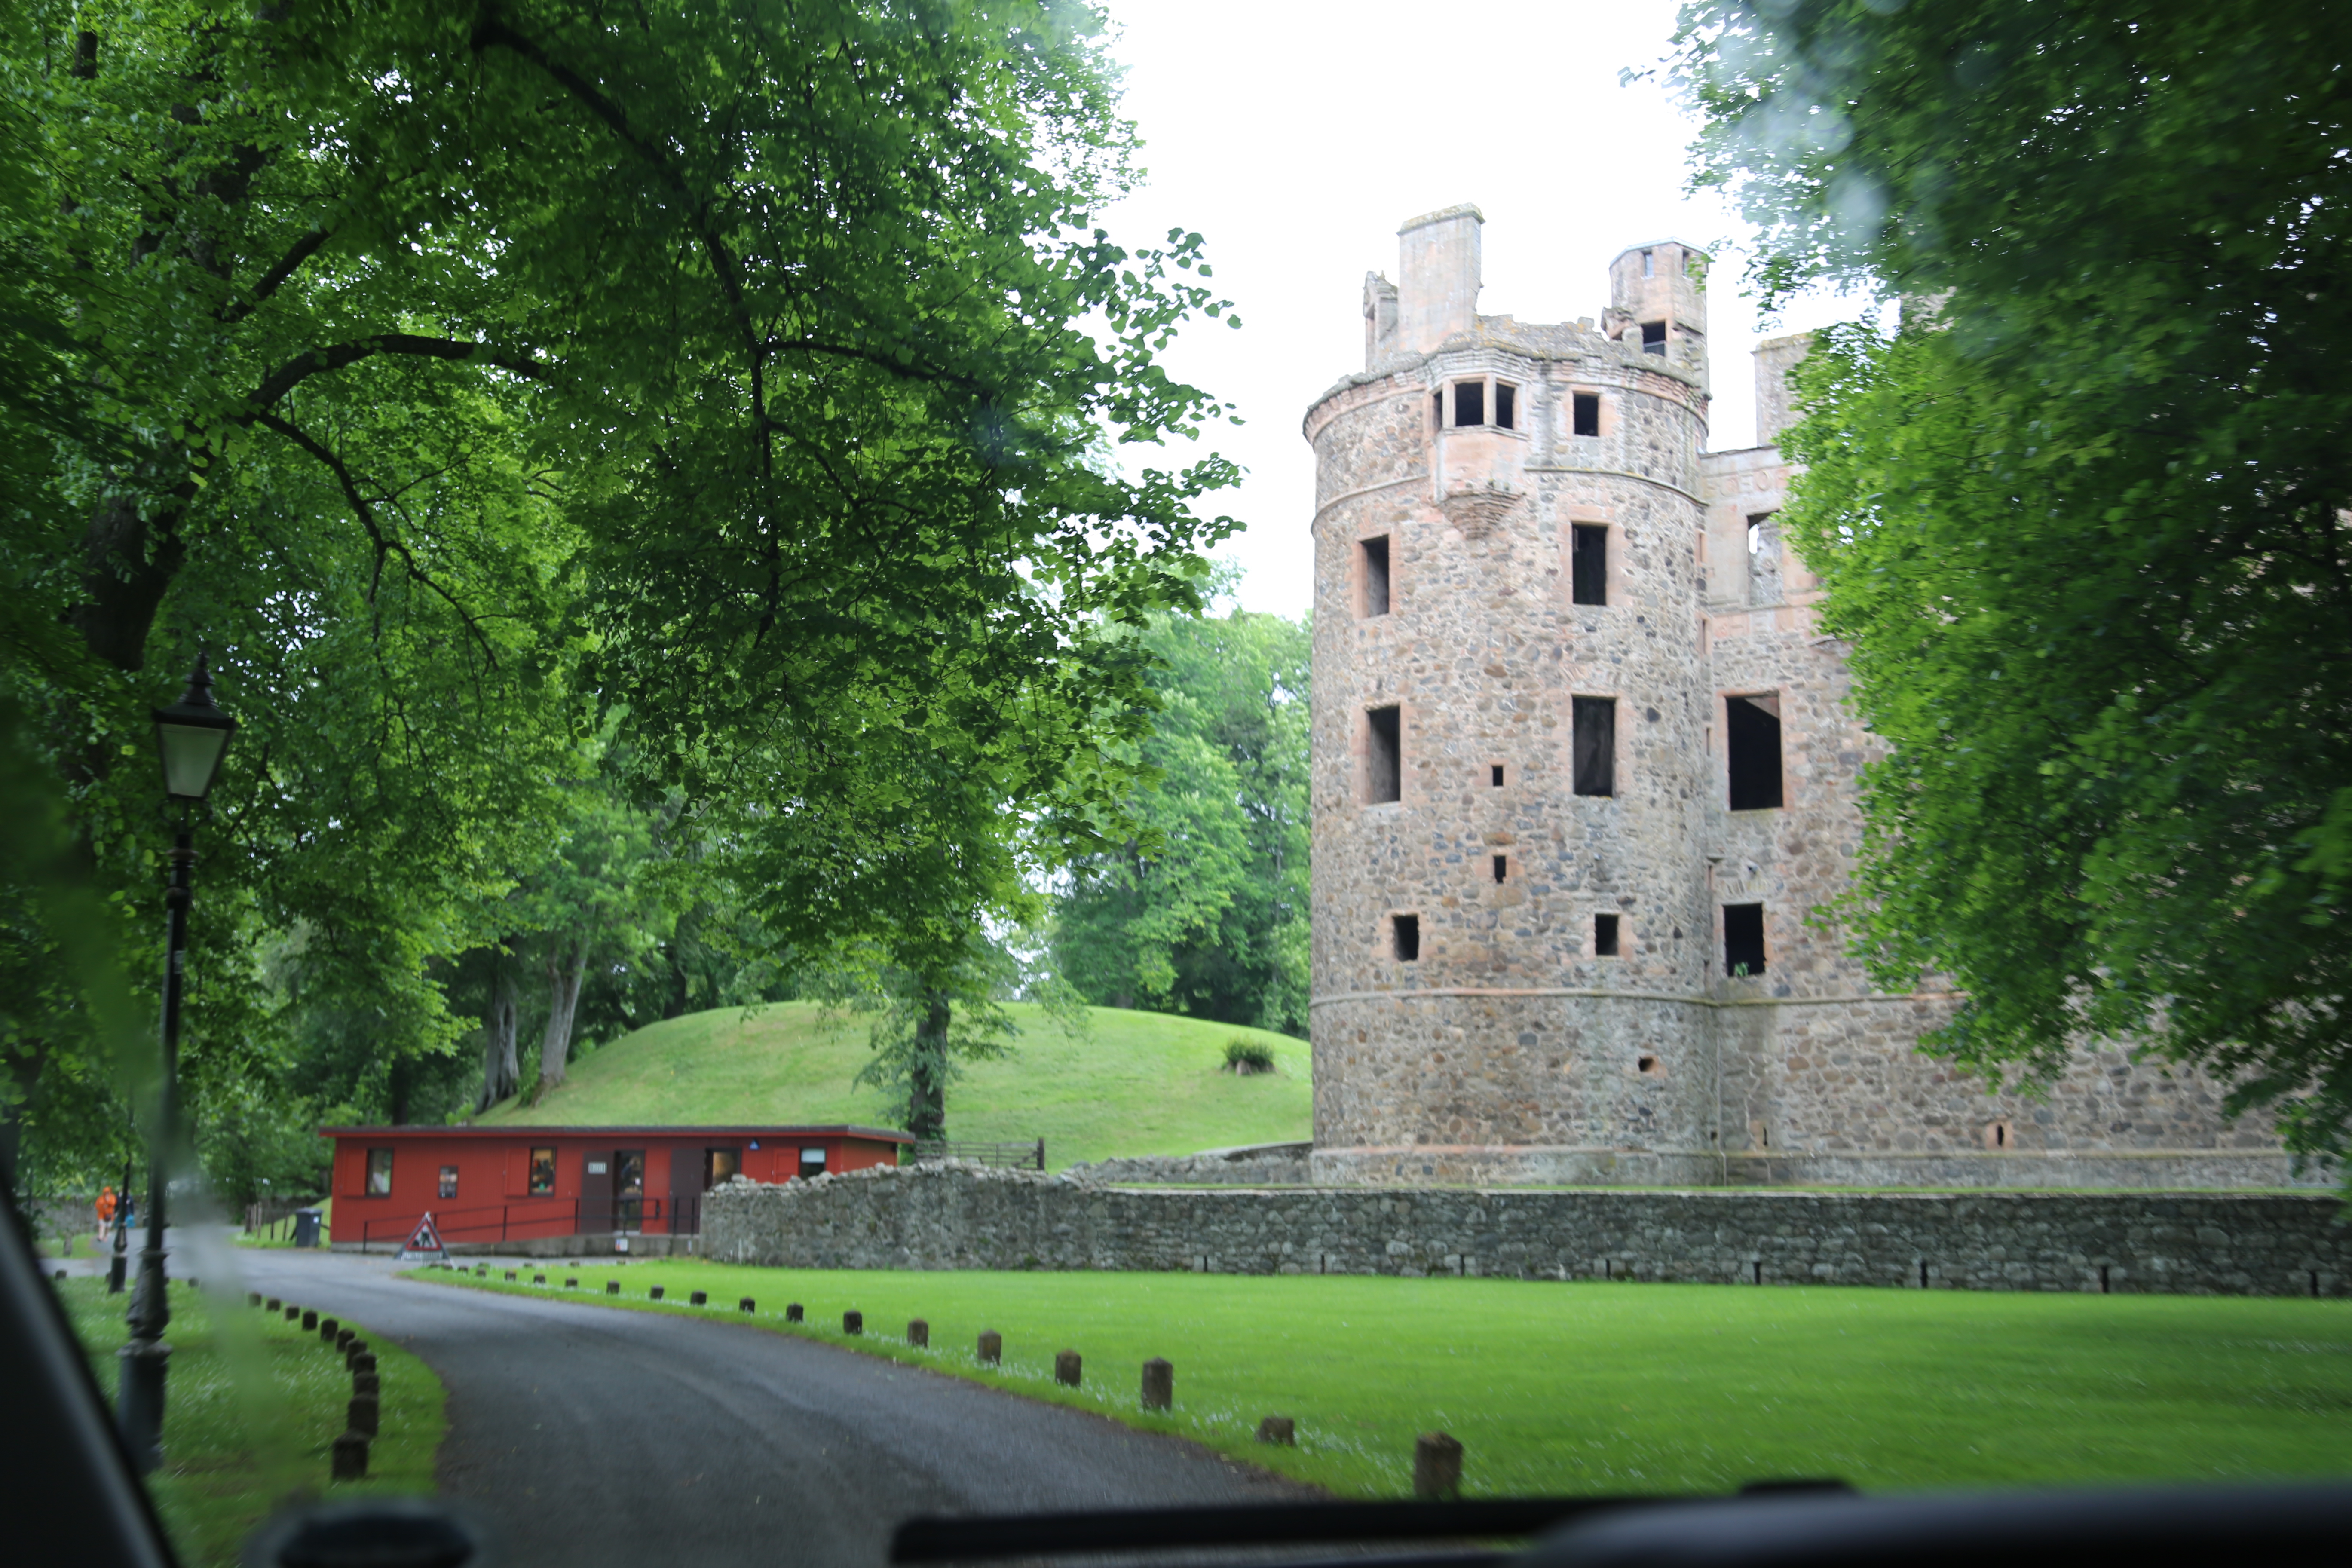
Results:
192 733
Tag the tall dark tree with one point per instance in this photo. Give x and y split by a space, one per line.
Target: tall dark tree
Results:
2084 517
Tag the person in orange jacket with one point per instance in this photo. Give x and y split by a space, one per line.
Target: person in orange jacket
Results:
105 1215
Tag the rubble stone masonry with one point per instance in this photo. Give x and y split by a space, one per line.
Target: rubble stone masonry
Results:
949 1216
1466 1024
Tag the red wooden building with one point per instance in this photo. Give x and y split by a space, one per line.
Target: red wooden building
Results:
487 1185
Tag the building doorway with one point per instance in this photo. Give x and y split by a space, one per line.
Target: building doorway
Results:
720 1165
629 1190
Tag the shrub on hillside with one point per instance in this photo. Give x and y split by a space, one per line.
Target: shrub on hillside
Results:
1247 1055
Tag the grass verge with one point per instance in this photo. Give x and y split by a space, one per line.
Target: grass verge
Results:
1590 1387
251 1409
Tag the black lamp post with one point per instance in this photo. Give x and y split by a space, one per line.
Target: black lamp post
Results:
192 734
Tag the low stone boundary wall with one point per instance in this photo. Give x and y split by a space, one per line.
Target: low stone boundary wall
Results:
954 1216
1251 1165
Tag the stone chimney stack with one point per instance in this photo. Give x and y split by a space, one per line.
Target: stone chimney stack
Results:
1437 292
1776 403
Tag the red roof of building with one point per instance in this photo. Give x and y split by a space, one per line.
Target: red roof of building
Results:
882 1134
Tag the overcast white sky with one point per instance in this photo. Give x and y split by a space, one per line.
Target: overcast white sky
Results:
1297 134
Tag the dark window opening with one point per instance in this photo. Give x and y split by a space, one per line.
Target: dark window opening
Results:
1743 938
1585 411
1384 780
448 1188
812 1163
1594 745
1502 867
1437 408
1376 576
379 1174
1653 337
1756 521
1469 403
1588 563
1753 733
1647 1065
720 1166
542 1172
1507 404
1649 264
1406 931
1498 775
1604 936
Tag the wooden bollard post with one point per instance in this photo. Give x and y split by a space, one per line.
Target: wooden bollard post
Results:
1436 1465
572 1282
1066 1368
363 1412
539 1278
354 1349
58 1274
350 1457
293 1314
253 1297
919 1333
991 1348
511 1275
612 1286
273 1305
367 1382
747 1305
329 1329
344 1338
1279 1429
1159 1383
309 1323
655 1294
853 1322
795 1313
363 1362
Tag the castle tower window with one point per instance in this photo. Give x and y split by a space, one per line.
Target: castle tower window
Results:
1404 934
1753 731
1649 264
1502 867
1469 403
1498 775
1653 337
1743 938
1506 400
1604 936
1584 410
1376 575
1594 744
1383 756
1588 563
1437 408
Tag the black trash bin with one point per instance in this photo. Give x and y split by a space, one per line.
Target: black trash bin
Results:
306 1228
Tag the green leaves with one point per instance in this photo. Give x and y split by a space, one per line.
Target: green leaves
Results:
2082 518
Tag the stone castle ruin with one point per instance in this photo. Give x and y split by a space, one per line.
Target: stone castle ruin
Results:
1582 767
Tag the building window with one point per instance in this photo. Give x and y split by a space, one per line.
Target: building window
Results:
1649 264
1437 407
1653 337
379 1176
1404 932
1753 729
1498 775
1469 403
1743 938
542 1172
1604 936
1588 563
1502 867
720 1166
1507 405
1585 414
1383 756
1594 745
1376 575
448 1181
812 1163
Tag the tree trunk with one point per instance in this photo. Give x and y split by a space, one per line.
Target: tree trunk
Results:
927 1075
555 1046
501 1059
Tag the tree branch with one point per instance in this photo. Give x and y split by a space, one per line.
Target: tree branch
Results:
288 265
297 371
385 545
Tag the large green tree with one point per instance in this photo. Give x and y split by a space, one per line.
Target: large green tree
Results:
2083 516
454 374
1196 899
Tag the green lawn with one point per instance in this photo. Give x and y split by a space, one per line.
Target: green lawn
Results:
1136 1083
1600 1388
251 1406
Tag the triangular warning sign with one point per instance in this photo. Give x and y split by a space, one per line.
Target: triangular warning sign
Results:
423 1245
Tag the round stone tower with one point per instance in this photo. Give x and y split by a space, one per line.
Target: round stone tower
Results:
1510 719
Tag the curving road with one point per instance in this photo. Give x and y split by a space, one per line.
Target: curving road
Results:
581 1436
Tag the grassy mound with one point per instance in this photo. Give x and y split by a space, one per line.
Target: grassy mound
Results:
1134 1083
